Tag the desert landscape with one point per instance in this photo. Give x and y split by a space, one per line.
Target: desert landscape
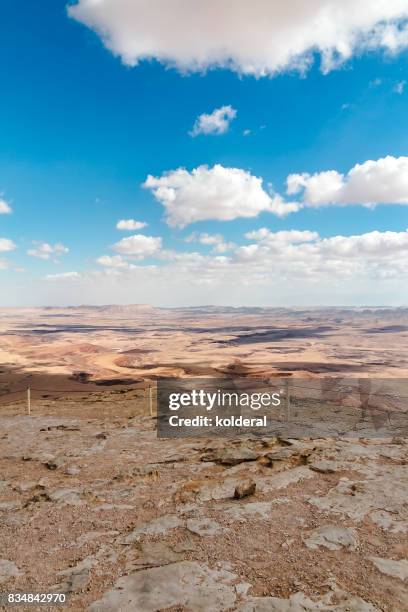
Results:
141 342
119 519
204 306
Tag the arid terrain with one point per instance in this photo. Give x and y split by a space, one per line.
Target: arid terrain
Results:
143 343
94 504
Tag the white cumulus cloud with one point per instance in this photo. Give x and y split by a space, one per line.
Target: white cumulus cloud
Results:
384 181
5 208
62 276
274 268
265 236
115 261
371 244
130 225
138 246
261 37
43 250
307 256
213 193
216 241
6 245
217 122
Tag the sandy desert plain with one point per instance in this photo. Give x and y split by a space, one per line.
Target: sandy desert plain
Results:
95 505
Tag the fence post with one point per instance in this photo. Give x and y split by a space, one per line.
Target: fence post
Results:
29 401
150 401
287 400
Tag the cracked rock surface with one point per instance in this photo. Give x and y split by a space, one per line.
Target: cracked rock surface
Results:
122 520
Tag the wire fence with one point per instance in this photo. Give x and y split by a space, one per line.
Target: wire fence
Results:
385 401
292 383
95 402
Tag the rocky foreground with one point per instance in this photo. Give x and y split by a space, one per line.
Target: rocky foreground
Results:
123 521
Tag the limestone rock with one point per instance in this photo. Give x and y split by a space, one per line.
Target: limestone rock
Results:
245 489
70 497
158 526
8 570
325 466
231 456
396 569
54 463
203 526
301 603
384 488
72 470
77 577
388 522
153 554
253 510
331 537
191 585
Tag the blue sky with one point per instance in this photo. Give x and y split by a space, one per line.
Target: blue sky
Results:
81 131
